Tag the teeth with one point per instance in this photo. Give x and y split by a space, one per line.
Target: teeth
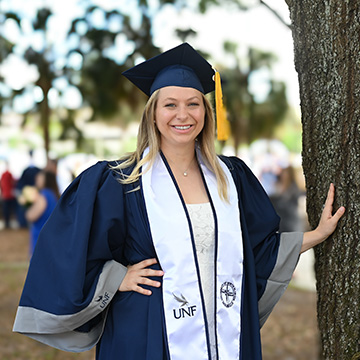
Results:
182 127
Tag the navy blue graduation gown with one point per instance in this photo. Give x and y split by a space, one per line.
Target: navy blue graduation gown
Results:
100 221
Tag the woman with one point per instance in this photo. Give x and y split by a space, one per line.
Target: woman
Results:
156 261
43 205
285 199
7 195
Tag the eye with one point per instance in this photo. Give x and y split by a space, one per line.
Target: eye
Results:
169 105
194 104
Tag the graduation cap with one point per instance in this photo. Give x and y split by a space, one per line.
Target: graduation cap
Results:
181 66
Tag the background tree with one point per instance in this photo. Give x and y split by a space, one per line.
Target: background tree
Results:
242 5
98 77
97 52
251 118
6 48
43 60
327 47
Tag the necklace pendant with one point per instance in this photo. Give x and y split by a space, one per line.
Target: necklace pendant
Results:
185 173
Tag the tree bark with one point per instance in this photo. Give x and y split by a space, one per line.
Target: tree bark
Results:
45 120
326 36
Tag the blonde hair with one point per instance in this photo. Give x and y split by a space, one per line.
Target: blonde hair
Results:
149 136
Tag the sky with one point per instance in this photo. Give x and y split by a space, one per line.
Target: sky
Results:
257 27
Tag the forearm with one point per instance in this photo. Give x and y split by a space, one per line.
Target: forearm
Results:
32 214
327 223
36 209
311 239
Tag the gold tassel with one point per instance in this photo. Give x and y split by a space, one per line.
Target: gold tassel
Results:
223 125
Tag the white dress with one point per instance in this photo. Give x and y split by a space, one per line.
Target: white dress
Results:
202 221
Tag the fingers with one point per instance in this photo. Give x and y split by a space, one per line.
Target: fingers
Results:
329 199
339 213
143 277
142 291
142 272
328 221
148 282
139 274
328 206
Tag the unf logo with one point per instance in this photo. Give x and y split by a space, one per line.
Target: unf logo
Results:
103 300
184 310
227 294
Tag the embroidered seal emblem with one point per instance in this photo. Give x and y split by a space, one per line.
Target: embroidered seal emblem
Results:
227 294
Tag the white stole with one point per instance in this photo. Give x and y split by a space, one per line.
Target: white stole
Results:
174 244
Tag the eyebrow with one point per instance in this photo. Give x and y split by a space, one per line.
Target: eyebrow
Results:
189 99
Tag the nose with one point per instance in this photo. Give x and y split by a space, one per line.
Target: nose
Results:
182 113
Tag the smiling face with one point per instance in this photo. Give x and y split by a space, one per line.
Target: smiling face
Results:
179 115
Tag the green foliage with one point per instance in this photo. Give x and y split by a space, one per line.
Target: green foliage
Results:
107 93
183 35
6 47
13 16
250 119
101 83
205 4
42 17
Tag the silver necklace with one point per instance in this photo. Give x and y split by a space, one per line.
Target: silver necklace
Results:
186 172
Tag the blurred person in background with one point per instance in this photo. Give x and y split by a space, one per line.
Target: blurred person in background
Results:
27 178
7 187
45 200
52 165
285 199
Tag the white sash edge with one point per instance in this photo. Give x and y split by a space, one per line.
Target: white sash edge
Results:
172 238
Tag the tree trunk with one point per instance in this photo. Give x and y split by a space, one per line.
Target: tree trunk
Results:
44 108
326 36
45 121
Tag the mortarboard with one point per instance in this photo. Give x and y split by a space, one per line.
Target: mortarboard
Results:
181 66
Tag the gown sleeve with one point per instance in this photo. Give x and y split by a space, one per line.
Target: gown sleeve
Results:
77 266
271 254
